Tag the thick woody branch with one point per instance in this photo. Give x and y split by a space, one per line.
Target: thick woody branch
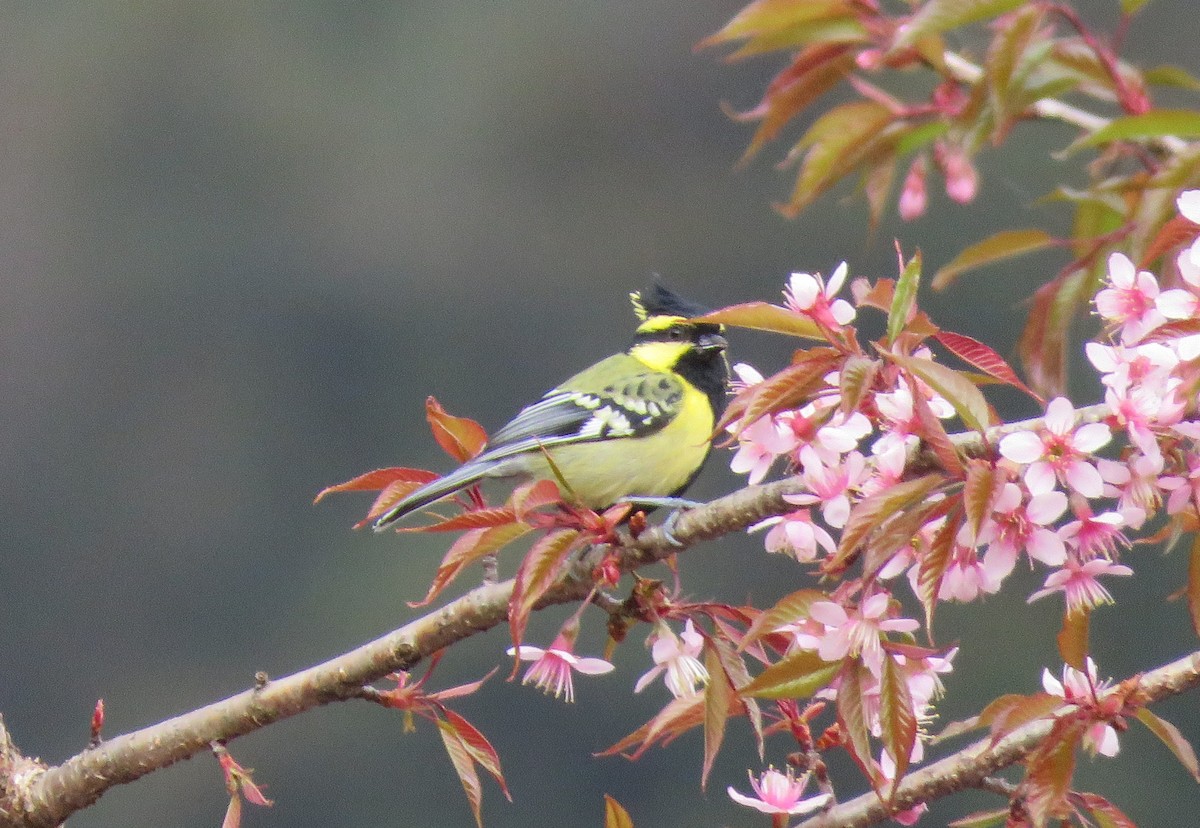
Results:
38 796
969 767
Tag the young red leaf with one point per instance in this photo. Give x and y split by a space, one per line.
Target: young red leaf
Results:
1009 712
473 519
781 391
854 381
870 513
477 745
734 670
460 437
1002 245
936 560
836 143
797 675
1106 814
718 699
934 434
678 717
982 485
233 814
852 716
538 570
467 549
464 766
897 719
1073 639
530 497
1049 771
1176 232
984 358
374 481
960 392
1175 741
614 815
762 316
395 491
787 610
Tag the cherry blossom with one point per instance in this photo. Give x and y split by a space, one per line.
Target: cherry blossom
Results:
778 793
808 294
1058 452
829 484
857 633
967 575
1188 203
676 657
1131 300
759 444
1078 687
796 533
1080 584
551 668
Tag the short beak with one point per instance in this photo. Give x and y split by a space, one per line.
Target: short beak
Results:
712 342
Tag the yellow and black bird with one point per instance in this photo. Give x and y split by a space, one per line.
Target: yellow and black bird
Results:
635 426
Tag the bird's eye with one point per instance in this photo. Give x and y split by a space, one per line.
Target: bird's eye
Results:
677 334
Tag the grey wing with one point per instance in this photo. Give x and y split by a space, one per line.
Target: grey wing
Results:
559 417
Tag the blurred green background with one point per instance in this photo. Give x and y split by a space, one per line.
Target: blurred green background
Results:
241 244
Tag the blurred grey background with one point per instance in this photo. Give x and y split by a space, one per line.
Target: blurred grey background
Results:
241 242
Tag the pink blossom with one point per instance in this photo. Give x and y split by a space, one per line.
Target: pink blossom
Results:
551 668
796 533
1058 451
1017 526
778 793
913 195
967 575
858 633
808 294
962 179
1080 584
1131 300
1096 536
1135 484
677 658
829 484
1185 488
759 444
1083 689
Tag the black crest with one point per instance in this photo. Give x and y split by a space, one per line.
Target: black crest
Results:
660 300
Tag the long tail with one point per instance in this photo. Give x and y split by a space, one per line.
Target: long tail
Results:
434 491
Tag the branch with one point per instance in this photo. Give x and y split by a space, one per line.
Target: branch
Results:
33 796
969 767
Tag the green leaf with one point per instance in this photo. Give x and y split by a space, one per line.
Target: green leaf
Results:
1172 76
943 15
904 297
967 399
1159 123
795 676
1003 245
766 18
1132 6
787 610
1173 739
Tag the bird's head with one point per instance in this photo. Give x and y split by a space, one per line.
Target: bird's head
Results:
668 340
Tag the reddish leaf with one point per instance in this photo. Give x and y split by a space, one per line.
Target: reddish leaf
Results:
936 560
960 392
1173 739
530 497
982 485
538 570
938 16
869 513
460 437
614 815
984 358
934 434
718 700
787 610
678 717
1073 639
797 675
762 316
897 719
233 814
464 766
467 549
735 672
900 531
1175 233
1049 771
781 391
1007 713
854 381
373 481
1002 245
1106 814
473 519
477 745
852 716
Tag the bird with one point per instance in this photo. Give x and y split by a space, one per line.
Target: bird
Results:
634 427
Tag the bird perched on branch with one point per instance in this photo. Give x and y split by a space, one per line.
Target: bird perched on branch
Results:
635 426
